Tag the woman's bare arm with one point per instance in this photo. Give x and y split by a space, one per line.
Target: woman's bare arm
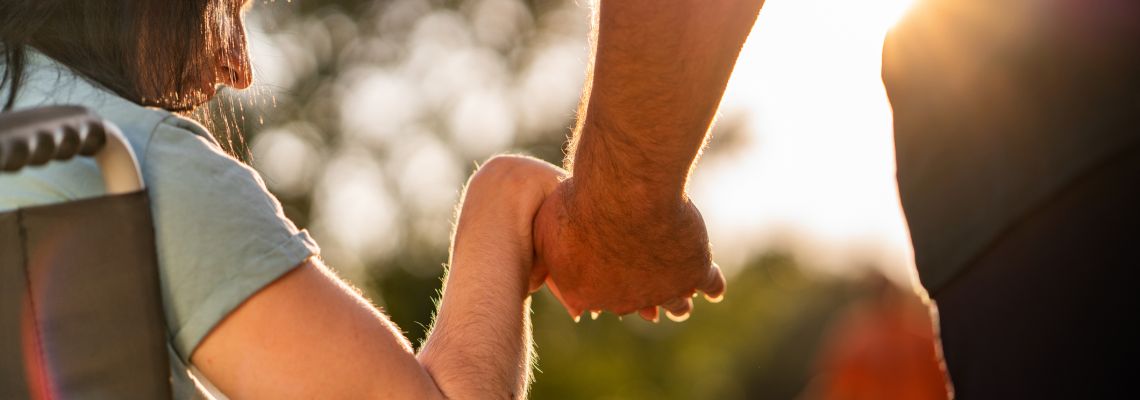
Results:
310 335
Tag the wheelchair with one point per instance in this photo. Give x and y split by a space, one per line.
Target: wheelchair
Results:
81 313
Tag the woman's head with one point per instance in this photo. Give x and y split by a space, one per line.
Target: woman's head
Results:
163 53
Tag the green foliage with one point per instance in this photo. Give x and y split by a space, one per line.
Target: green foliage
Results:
759 343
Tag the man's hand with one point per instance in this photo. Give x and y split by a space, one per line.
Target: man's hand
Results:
622 235
624 256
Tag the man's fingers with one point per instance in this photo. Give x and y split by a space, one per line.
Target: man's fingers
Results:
651 314
714 285
678 309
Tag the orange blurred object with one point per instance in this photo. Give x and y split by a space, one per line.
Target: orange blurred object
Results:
881 348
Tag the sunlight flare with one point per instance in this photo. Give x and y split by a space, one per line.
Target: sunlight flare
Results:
817 170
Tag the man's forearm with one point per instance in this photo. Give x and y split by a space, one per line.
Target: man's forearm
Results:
659 71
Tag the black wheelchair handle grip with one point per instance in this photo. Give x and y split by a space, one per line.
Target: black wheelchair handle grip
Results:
37 136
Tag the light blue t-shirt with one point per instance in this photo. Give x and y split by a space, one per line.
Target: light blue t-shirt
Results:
220 235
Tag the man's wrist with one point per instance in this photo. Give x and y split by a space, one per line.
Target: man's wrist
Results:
609 158
592 200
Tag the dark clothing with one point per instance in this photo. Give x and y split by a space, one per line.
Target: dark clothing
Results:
1049 310
998 106
1017 134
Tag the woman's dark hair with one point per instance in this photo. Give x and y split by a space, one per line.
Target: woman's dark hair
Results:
146 51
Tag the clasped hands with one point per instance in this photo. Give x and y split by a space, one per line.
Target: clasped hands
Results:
616 252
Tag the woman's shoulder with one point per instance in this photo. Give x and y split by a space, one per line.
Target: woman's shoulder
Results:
47 82
181 151
176 154
167 145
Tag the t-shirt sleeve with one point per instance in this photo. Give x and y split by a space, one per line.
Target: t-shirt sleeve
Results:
220 235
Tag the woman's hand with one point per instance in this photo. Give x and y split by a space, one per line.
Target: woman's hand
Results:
499 207
483 317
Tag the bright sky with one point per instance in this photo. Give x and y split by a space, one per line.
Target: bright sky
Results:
818 173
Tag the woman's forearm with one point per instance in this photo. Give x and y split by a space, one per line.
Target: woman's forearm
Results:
480 344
